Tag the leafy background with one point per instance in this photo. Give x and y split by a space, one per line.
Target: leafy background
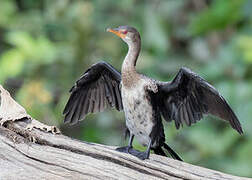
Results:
46 45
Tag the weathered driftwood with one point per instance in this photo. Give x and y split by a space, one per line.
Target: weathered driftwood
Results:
32 150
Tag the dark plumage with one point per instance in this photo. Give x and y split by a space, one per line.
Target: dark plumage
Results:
188 97
185 99
97 89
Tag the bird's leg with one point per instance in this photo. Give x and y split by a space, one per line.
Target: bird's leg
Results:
126 149
142 155
129 149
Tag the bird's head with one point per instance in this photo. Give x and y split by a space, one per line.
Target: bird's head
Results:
128 34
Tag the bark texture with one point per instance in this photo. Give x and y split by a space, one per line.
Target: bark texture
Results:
32 150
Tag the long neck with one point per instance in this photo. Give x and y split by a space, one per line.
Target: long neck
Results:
129 74
129 63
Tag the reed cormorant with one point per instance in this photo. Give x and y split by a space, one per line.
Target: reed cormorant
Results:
144 100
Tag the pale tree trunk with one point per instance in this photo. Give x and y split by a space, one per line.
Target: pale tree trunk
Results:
32 150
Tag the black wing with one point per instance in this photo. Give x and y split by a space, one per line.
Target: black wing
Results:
188 97
97 89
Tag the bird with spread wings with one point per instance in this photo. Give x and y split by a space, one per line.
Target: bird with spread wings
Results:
184 100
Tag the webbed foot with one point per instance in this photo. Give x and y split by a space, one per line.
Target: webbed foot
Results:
136 153
140 155
124 149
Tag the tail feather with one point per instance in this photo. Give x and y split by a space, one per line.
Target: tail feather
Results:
171 152
159 151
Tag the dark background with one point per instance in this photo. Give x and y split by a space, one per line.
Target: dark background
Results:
46 45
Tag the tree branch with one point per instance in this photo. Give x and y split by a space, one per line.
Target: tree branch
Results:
32 150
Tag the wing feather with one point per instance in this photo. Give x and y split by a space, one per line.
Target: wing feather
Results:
190 112
187 120
188 97
96 90
102 97
77 111
83 105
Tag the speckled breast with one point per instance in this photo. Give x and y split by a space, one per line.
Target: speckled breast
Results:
139 112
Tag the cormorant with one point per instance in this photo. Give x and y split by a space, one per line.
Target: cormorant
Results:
144 100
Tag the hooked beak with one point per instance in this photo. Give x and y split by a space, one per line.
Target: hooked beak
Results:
117 32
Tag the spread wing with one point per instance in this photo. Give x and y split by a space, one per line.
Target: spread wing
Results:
97 89
188 97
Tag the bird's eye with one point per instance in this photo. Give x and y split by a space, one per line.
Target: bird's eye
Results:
124 31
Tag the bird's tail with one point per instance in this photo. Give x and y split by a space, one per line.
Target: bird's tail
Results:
160 151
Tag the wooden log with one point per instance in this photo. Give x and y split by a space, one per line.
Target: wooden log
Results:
32 150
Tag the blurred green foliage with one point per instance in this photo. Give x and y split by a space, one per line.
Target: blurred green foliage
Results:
46 45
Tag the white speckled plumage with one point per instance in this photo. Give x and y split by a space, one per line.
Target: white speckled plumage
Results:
138 111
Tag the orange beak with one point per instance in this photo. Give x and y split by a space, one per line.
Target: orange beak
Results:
116 32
